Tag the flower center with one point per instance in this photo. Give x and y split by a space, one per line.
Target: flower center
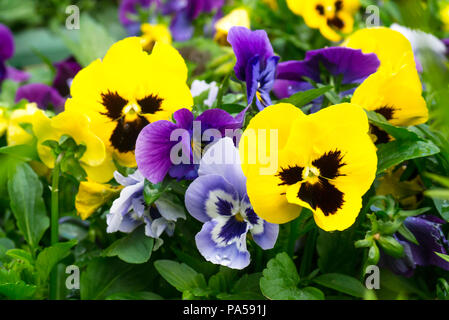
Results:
239 217
131 111
310 172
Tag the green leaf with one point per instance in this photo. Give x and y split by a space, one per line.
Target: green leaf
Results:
107 276
41 40
302 98
407 234
93 40
444 181
280 281
50 256
12 11
445 257
27 204
152 192
441 194
18 290
443 207
341 283
222 281
399 133
5 246
20 254
8 92
396 152
391 246
180 275
336 251
22 152
135 296
136 247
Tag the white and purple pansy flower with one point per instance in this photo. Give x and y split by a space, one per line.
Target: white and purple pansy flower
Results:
157 141
353 66
130 210
218 198
256 63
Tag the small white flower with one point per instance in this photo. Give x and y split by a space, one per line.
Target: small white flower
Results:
200 86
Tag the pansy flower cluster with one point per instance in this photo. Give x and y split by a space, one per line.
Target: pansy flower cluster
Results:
287 138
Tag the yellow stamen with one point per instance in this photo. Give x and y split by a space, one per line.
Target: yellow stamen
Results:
239 217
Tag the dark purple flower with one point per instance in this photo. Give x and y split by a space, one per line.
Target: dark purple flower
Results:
6 52
256 63
128 8
427 231
65 72
350 64
160 142
41 94
185 12
218 198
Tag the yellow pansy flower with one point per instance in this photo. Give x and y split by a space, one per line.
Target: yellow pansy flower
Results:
154 33
92 195
331 17
409 192
237 17
127 90
392 48
76 125
326 162
10 122
395 90
444 14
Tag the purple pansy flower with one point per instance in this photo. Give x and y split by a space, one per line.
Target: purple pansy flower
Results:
65 72
427 231
256 63
352 65
156 142
41 94
185 12
218 198
6 52
130 210
128 8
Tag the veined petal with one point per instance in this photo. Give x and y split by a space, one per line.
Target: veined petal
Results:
222 159
153 147
247 44
234 255
211 196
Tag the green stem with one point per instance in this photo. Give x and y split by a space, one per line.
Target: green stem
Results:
54 225
309 250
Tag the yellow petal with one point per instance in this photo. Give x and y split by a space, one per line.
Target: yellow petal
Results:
391 47
296 6
237 17
400 91
268 130
154 33
77 126
92 195
133 74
